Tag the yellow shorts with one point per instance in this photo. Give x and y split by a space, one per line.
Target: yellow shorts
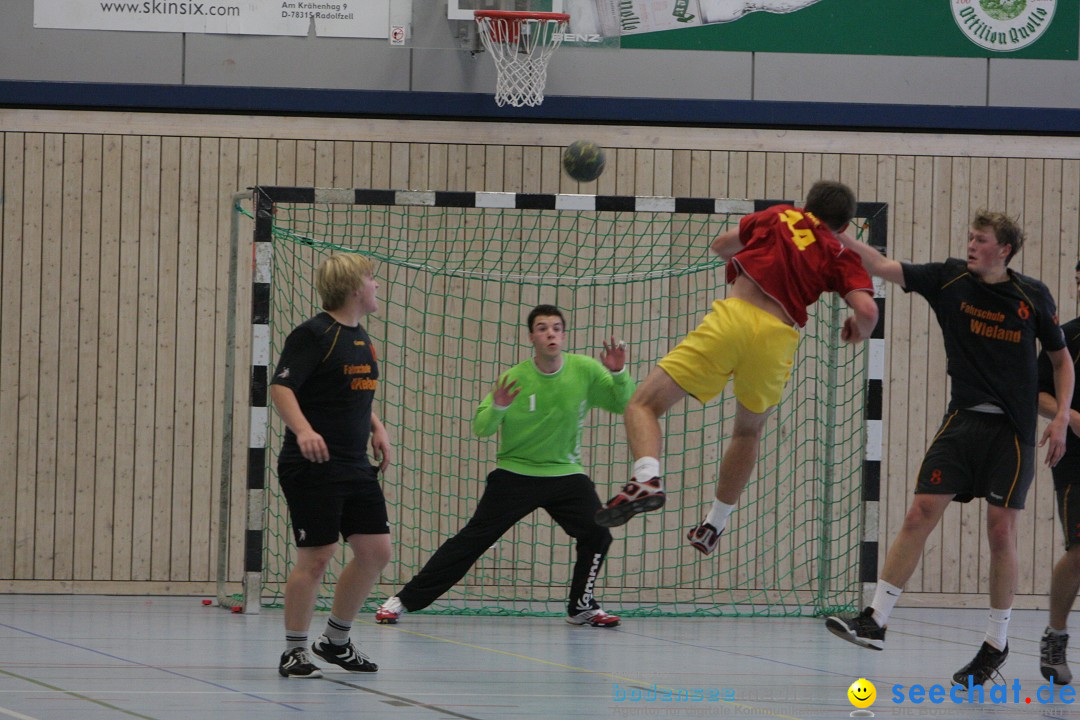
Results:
735 339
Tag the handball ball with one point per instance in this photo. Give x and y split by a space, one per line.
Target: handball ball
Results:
583 160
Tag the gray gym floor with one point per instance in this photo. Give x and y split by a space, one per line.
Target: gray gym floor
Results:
166 658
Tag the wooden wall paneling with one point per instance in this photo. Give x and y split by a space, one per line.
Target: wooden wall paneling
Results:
207 432
342 161
1070 232
30 200
24 223
419 161
48 354
437 166
645 171
380 166
326 163
66 307
89 210
108 302
897 472
145 358
227 169
681 173
811 173
399 166
126 361
165 322
663 160
192 375
11 247
286 163
756 175
305 163
793 188
534 171
494 158
267 168
736 175
362 164
775 175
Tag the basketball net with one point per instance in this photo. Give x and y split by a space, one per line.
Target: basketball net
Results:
521 43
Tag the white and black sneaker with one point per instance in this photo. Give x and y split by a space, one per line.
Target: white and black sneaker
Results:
346 656
862 630
296 663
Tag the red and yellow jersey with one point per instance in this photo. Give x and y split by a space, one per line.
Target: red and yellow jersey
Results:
794 258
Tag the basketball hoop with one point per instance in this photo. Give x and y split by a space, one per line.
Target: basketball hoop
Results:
521 43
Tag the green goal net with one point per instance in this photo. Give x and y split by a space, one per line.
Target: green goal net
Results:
459 273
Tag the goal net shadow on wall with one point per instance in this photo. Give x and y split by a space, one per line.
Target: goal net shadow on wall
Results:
459 272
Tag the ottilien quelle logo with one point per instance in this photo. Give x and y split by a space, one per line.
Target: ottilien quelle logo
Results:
1003 25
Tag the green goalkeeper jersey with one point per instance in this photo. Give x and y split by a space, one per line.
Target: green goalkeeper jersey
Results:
541 429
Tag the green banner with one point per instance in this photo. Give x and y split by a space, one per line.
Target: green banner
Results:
1031 29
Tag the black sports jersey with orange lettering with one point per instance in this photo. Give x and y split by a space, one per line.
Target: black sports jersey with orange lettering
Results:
990 332
333 371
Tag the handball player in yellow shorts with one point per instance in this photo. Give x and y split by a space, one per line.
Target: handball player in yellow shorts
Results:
780 260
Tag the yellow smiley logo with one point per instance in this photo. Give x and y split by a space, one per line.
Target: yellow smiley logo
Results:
862 693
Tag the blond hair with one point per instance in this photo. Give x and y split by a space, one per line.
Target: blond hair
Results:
1007 230
341 275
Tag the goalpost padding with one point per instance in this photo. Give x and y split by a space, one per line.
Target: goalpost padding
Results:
459 272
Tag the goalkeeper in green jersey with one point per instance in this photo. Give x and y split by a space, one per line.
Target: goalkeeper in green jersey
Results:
540 406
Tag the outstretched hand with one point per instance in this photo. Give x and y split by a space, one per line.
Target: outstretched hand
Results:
505 392
613 356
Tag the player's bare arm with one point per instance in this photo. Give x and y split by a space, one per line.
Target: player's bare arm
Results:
875 263
1048 408
380 443
1054 435
727 244
311 444
861 323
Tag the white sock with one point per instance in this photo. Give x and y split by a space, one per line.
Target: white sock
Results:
337 630
718 515
645 469
885 598
1054 631
997 627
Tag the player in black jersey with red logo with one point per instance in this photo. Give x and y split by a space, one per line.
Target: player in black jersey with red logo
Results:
1065 580
323 389
991 318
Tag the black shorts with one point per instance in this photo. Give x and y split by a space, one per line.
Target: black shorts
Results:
977 454
1067 488
327 502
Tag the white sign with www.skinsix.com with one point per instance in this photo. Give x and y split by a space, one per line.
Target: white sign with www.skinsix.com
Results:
332 18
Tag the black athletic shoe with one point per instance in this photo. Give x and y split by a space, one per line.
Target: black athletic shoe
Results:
345 656
862 630
1052 661
984 667
296 663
